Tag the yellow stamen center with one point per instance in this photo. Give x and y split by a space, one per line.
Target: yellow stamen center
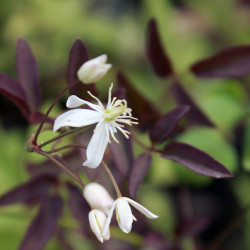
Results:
116 110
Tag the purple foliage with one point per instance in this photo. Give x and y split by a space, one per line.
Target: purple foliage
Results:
231 62
195 159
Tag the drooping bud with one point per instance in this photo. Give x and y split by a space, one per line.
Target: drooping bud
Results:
94 69
98 197
97 220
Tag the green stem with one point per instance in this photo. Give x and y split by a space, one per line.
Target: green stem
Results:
60 136
63 167
112 179
65 147
51 107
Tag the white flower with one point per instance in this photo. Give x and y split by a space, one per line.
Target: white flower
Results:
124 215
94 69
97 220
108 121
98 197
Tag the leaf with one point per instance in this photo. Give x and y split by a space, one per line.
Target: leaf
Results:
43 225
12 90
165 125
195 159
192 226
231 62
28 76
78 206
33 189
122 153
195 114
141 107
139 171
78 55
155 51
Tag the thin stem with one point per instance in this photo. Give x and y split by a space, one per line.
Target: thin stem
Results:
51 107
60 136
112 179
63 167
140 142
65 147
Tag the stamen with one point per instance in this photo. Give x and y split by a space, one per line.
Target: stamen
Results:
123 131
99 102
109 98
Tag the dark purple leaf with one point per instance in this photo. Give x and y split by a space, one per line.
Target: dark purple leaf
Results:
195 159
231 62
33 189
141 107
195 114
78 55
43 225
155 51
192 226
165 125
122 153
78 206
12 89
139 171
28 76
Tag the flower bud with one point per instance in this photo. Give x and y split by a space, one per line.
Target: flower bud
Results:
97 220
98 197
94 69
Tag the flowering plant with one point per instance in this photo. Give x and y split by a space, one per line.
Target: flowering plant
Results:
109 145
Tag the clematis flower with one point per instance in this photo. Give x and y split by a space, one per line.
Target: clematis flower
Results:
97 221
109 120
94 69
124 215
98 197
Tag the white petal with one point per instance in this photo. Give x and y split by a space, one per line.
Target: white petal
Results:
142 209
106 227
97 146
77 118
97 220
94 225
98 197
98 60
74 102
124 215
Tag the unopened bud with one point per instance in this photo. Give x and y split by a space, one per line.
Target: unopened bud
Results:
98 197
94 69
97 220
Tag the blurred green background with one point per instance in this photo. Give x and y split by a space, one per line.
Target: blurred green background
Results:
191 30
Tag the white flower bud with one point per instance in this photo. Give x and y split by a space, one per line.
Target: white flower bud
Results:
98 197
97 220
94 69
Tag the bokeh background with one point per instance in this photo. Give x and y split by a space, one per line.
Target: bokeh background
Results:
190 30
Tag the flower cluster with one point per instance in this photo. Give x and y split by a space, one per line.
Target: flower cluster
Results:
109 119
103 205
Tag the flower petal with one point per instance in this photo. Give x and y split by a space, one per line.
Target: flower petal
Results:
106 227
124 215
97 220
77 118
97 146
94 224
142 209
74 102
